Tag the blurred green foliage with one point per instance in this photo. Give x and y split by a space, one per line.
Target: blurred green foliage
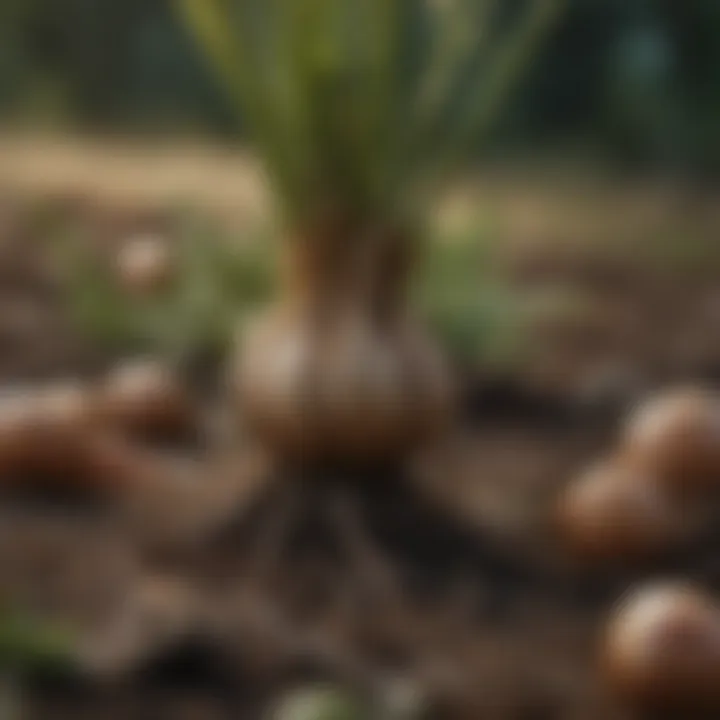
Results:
320 703
637 79
472 307
355 107
28 645
218 283
222 281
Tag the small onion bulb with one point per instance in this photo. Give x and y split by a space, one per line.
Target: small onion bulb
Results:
677 436
42 431
613 512
661 651
145 397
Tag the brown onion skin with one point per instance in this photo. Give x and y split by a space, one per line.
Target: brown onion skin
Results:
17 415
677 437
65 418
272 380
337 373
42 432
145 398
614 513
660 652
53 438
353 395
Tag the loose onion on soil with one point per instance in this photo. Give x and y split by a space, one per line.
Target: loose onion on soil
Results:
614 512
677 436
64 434
661 651
43 431
145 397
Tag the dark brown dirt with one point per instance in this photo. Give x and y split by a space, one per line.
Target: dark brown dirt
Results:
451 580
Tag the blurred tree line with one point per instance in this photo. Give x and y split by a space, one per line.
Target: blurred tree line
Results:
638 80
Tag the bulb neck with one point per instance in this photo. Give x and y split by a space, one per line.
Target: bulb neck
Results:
337 271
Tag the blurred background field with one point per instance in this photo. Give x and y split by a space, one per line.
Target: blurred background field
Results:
634 81
560 249
574 265
609 145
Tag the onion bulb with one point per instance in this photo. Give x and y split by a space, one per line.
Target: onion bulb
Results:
64 418
361 378
145 397
677 436
350 392
18 410
661 651
337 374
274 378
613 512
42 430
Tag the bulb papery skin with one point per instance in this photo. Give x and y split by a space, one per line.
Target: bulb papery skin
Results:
335 374
661 651
361 377
614 512
677 434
